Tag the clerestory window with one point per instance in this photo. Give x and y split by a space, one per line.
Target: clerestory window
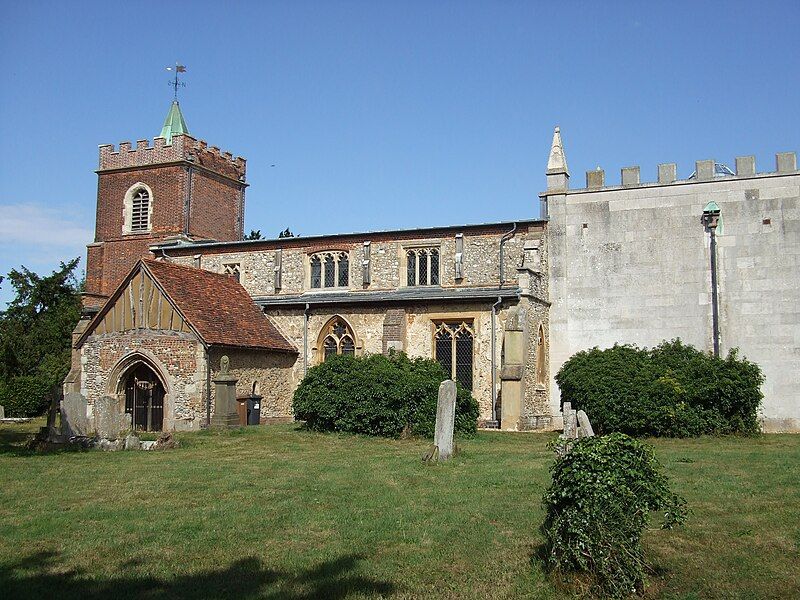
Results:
453 347
232 270
422 266
330 270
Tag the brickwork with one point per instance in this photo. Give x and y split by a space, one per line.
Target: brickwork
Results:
197 191
177 357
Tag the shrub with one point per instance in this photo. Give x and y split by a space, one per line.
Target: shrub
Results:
597 508
26 395
672 390
378 395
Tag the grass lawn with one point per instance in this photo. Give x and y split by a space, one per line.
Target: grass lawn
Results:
279 512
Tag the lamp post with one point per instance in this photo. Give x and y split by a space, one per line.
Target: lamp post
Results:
710 220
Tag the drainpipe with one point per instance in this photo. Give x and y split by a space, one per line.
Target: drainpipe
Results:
710 219
494 366
305 338
506 236
208 387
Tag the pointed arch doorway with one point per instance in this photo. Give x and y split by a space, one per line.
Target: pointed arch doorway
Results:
144 398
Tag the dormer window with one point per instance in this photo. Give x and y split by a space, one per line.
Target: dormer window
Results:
138 209
330 270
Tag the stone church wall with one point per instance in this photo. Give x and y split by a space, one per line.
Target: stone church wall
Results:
179 357
630 264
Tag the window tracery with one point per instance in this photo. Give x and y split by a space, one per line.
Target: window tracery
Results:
330 269
338 338
453 348
422 266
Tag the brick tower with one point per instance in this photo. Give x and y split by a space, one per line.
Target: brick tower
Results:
177 188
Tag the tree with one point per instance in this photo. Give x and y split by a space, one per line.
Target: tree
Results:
35 335
255 234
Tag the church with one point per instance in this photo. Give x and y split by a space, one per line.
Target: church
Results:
172 286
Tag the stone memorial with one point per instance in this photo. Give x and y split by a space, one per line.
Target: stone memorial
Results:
570 422
226 414
74 422
442 448
109 419
585 427
2 412
132 442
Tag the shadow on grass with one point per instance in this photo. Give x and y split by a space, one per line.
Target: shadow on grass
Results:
41 576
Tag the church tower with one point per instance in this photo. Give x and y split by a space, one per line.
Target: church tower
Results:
177 188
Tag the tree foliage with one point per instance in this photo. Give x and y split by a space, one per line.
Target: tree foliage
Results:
35 337
378 395
672 390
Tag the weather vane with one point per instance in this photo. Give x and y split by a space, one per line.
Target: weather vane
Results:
175 84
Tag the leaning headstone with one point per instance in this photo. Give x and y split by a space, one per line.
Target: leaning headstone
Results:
74 422
109 419
2 412
585 426
445 423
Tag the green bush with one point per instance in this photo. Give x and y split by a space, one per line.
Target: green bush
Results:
26 395
673 390
378 395
597 508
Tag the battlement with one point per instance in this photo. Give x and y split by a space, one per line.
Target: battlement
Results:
184 148
705 170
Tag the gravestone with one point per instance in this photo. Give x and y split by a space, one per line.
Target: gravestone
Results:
74 422
442 448
570 422
109 420
225 412
132 442
2 412
585 427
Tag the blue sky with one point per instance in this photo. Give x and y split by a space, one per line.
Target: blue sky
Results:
382 115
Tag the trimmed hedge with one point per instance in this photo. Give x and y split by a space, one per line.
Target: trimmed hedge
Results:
672 390
378 395
25 395
597 507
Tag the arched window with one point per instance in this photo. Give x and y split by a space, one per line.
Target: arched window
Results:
453 346
330 269
138 209
422 266
337 338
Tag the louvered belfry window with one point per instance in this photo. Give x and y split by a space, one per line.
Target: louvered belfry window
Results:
454 341
140 211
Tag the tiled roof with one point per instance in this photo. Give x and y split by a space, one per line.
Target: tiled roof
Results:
217 307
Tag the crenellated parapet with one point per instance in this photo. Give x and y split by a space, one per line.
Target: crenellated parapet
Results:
705 170
183 148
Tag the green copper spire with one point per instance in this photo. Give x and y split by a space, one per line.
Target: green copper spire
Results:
174 124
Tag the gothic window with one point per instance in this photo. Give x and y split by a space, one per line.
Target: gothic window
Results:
232 270
330 269
453 346
138 209
422 266
337 338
